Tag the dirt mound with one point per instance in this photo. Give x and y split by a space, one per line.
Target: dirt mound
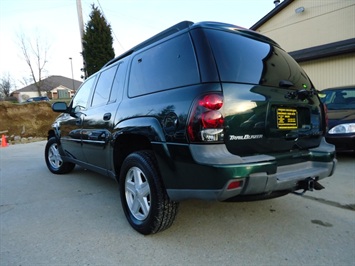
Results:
26 120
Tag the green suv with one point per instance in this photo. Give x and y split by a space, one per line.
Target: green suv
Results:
200 111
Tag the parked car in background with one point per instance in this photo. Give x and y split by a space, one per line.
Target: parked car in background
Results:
38 99
340 103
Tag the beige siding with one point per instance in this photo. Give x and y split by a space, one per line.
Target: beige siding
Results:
331 72
322 22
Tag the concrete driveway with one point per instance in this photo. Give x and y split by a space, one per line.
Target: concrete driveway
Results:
76 219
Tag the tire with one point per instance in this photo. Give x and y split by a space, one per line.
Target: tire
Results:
54 160
145 202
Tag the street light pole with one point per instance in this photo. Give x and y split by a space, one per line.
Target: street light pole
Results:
72 73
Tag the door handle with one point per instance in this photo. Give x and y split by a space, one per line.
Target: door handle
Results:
107 116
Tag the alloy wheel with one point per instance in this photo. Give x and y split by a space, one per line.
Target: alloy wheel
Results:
137 192
54 157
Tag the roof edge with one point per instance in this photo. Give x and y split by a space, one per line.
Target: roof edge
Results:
159 36
272 13
325 50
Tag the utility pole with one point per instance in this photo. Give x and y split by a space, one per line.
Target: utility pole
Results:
81 28
72 73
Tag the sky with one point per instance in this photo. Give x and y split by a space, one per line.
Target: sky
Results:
56 25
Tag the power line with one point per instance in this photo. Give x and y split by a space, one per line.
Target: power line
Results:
102 10
310 18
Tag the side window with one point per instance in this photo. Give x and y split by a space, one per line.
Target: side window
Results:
167 65
117 87
82 96
103 87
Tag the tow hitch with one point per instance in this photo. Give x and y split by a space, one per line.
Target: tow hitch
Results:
308 184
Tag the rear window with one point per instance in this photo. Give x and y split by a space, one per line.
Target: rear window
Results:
244 60
167 65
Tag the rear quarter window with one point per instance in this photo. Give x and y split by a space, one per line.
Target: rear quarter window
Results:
165 66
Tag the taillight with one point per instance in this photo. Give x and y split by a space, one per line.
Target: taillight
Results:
212 101
212 119
206 120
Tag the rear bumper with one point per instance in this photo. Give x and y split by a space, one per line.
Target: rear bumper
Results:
219 175
286 178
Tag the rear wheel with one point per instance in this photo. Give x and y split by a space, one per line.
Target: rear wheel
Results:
54 160
145 202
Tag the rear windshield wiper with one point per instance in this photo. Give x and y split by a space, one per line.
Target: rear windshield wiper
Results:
300 94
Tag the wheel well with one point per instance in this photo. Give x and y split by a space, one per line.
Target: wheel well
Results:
125 145
50 134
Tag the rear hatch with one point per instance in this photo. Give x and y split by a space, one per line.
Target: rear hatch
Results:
269 103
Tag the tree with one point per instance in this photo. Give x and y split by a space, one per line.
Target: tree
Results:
5 86
35 53
97 42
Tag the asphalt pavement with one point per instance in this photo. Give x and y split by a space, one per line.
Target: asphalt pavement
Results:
76 219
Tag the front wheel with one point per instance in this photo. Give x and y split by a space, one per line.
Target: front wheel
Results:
145 202
54 160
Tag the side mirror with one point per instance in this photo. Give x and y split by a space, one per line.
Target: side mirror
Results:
60 107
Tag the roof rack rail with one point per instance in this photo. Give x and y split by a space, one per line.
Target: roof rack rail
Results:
169 31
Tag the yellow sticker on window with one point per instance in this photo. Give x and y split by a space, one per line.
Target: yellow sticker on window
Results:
287 118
